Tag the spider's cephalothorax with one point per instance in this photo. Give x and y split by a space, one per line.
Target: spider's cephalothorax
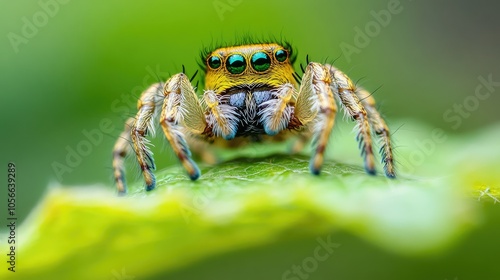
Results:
243 81
250 93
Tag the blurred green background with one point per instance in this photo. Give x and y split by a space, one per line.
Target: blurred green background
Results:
87 61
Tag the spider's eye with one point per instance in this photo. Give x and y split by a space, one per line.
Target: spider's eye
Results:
261 61
236 64
214 62
281 55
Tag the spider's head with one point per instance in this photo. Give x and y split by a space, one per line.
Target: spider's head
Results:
248 66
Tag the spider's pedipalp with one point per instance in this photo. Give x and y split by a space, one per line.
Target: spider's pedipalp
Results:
275 113
223 118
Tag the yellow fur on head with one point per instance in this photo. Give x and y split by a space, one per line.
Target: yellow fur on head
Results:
220 79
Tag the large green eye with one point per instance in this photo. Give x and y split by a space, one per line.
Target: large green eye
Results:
281 55
214 62
236 64
261 61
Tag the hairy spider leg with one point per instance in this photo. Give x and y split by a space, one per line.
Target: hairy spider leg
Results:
120 150
381 130
182 114
136 131
316 107
344 89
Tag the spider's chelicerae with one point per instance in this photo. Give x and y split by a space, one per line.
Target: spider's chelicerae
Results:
251 93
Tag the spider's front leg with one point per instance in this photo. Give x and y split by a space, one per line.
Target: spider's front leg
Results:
316 106
182 114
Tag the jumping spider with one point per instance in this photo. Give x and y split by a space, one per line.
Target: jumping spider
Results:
250 90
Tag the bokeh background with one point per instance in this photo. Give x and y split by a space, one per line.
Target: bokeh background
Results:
87 61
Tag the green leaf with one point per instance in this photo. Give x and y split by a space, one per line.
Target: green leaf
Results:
90 233
267 212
